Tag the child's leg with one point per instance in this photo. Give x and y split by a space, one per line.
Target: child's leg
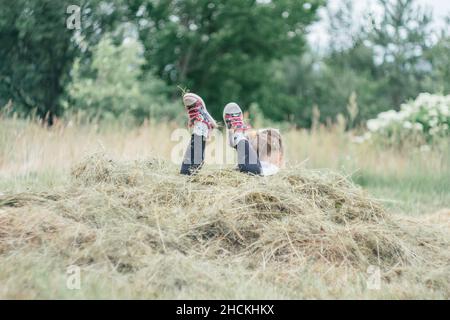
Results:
248 161
195 155
201 122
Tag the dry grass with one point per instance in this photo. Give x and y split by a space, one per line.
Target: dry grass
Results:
139 230
26 146
118 218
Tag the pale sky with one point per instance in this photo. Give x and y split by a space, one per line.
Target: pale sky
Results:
319 37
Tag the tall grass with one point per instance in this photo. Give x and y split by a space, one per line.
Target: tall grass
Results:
410 180
140 230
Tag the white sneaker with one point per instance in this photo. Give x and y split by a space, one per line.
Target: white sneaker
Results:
199 118
234 120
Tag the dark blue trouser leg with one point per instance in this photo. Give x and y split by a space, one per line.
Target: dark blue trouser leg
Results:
248 161
195 155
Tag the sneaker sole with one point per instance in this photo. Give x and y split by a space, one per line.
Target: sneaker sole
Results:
230 109
197 97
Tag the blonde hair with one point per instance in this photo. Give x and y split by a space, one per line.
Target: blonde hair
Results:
268 144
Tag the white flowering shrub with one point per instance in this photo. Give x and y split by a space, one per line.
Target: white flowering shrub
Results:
427 117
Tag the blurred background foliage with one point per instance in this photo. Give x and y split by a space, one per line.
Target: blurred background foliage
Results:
131 57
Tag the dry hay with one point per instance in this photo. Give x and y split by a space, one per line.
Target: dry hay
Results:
120 213
440 219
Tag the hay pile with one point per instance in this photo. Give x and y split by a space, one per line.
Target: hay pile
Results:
127 215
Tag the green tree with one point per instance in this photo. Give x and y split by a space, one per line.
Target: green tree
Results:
37 50
113 84
400 39
221 49
439 57
327 80
385 64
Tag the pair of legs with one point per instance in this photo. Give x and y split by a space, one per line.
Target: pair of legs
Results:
195 156
202 122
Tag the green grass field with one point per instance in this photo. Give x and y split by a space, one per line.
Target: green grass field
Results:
139 230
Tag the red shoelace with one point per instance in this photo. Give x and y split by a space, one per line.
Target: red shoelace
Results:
195 114
236 122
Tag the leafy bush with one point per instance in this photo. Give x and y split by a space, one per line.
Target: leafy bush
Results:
114 85
427 117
